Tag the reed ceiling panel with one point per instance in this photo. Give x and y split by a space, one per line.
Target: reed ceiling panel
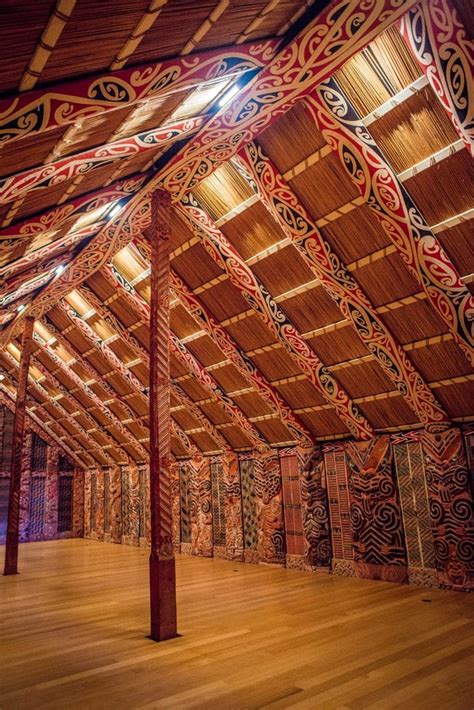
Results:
16 156
291 139
415 321
283 271
458 243
379 72
414 130
387 413
445 189
457 399
364 379
229 378
312 309
224 300
276 364
386 280
182 323
222 191
196 267
355 234
324 186
251 333
323 423
252 405
300 394
440 361
252 231
338 346
205 350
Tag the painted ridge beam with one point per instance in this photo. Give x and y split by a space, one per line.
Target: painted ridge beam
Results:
229 260
138 450
194 367
140 352
37 387
392 205
441 46
41 177
163 619
44 109
298 225
41 428
234 353
53 218
336 34
13 519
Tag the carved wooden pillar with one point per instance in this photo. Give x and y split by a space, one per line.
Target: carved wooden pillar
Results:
11 548
162 563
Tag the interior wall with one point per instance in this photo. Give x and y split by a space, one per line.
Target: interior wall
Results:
397 508
52 490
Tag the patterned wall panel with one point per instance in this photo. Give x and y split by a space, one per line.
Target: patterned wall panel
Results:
377 528
106 473
130 505
335 465
271 530
233 507
292 509
144 505
451 508
7 438
468 434
413 491
36 507
78 509
201 507
175 503
65 503
315 507
99 507
50 529
218 507
249 508
186 503
25 488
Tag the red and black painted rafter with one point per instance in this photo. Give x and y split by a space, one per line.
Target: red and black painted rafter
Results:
139 306
138 451
226 344
298 225
331 39
69 397
258 298
440 44
393 207
130 378
337 33
140 351
67 102
51 174
40 427
99 455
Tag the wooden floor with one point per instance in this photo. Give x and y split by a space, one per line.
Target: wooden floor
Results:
74 625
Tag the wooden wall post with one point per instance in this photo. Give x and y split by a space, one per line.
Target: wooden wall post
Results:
162 563
11 547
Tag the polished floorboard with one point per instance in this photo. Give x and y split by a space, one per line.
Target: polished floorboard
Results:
74 624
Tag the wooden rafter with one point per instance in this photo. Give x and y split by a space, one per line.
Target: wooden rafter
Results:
140 307
40 427
342 287
233 352
228 259
390 202
45 109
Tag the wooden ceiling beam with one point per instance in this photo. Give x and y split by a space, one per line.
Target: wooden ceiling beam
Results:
298 225
121 368
64 169
234 353
346 29
40 428
393 207
139 451
438 41
65 102
140 351
100 457
228 259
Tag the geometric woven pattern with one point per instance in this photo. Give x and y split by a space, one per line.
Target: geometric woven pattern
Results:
414 503
249 510
185 503
39 454
218 503
315 507
37 507
338 492
291 493
65 501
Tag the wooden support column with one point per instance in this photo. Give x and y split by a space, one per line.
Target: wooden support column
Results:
11 547
162 563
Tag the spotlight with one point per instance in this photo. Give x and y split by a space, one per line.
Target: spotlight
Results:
21 307
225 98
59 269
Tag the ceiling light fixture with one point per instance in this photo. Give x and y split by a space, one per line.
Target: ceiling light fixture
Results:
59 269
115 210
21 307
228 95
